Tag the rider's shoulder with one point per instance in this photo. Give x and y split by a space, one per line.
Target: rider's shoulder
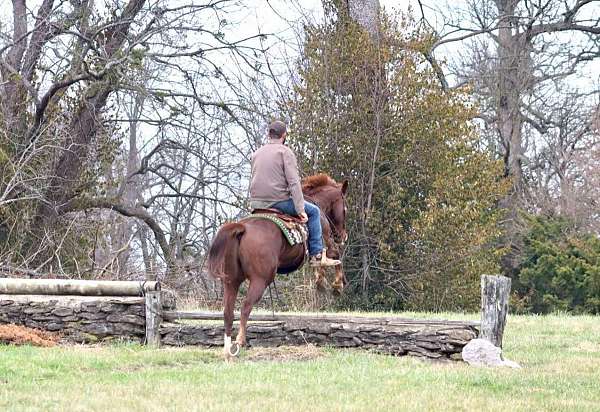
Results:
270 149
286 149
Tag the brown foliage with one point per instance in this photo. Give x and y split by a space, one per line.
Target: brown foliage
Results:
22 335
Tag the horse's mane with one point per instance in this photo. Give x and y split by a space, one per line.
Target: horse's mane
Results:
317 181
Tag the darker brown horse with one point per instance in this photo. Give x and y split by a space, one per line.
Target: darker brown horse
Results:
255 249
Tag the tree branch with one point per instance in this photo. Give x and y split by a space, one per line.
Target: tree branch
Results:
136 212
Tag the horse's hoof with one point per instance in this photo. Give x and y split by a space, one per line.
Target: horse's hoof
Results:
336 290
322 284
234 350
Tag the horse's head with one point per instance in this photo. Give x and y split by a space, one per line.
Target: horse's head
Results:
330 196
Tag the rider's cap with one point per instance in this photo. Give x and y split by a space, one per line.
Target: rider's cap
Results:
277 129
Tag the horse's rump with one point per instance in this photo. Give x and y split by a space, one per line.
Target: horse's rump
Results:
223 260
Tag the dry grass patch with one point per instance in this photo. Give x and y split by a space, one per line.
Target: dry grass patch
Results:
590 347
284 353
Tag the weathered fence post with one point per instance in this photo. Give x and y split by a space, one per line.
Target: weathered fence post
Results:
153 314
495 292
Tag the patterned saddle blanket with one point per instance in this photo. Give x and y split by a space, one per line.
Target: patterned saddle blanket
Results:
294 231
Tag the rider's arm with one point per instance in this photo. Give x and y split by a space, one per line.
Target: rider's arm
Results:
290 166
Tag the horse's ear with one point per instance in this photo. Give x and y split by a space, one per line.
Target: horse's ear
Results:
344 187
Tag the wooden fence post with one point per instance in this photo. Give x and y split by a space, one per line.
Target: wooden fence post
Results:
495 293
153 314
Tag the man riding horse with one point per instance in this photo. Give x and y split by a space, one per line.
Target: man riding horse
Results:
261 245
276 184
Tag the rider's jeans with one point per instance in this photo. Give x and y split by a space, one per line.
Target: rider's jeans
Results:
315 233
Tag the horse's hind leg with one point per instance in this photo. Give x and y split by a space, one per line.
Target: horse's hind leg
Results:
255 292
229 295
320 279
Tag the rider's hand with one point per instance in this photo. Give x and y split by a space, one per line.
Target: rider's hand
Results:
303 217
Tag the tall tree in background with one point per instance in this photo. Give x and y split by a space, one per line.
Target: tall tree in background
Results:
367 15
422 193
520 56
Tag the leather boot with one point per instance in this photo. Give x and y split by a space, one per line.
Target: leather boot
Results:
322 260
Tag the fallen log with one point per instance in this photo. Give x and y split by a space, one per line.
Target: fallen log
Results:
12 286
391 320
437 339
134 310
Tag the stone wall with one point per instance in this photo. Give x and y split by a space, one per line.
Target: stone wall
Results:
90 319
82 319
431 339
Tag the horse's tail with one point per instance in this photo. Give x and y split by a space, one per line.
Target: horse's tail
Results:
223 262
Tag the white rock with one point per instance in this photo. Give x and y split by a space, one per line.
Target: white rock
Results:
481 352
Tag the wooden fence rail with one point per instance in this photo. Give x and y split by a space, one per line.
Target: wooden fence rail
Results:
14 286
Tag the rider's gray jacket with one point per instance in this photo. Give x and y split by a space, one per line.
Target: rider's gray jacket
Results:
275 177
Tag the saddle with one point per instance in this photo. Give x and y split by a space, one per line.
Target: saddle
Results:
279 214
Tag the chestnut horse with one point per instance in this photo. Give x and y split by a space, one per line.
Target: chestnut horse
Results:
255 249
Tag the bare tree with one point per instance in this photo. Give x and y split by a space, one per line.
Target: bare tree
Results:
72 75
565 182
519 57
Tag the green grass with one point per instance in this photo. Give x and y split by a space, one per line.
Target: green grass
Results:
560 356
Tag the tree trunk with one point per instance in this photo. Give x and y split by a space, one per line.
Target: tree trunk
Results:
366 13
513 81
130 188
68 169
13 94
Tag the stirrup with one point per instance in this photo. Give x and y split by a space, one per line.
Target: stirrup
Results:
324 261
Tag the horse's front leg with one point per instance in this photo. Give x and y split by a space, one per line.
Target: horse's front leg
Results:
320 280
338 284
255 292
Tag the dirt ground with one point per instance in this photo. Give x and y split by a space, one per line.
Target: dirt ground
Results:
259 354
283 353
22 335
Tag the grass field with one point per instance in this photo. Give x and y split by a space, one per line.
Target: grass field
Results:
560 356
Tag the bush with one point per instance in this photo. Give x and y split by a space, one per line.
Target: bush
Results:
560 270
422 213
